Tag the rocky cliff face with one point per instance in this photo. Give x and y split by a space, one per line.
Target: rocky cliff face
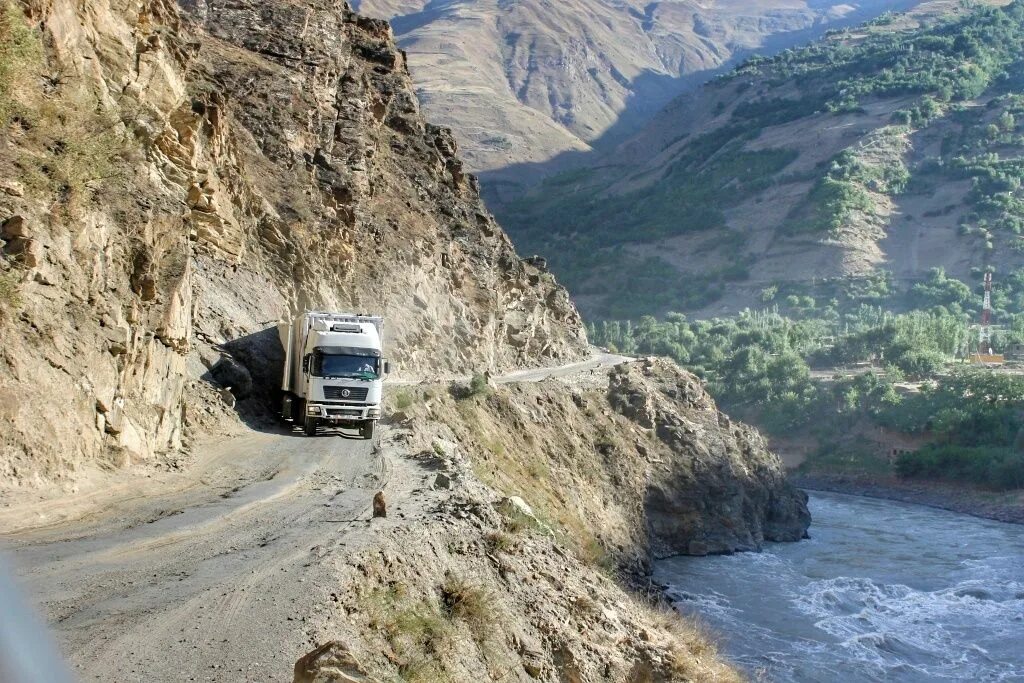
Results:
213 168
631 464
721 490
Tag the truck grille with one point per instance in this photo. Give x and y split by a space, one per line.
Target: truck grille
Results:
354 393
344 412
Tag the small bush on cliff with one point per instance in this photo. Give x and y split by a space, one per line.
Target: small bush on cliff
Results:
499 542
467 602
478 385
403 400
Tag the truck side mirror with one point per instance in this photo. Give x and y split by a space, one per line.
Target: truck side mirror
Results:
305 363
387 367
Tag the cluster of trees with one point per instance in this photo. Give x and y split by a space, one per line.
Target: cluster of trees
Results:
759 364
976 421
954 60
945 65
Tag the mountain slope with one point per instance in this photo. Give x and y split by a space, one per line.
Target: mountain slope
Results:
188 177
523 82
871 156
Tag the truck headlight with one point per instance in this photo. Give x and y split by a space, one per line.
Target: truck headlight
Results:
373 412
312 410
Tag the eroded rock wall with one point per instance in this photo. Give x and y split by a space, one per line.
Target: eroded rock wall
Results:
721 489
268 157
631 464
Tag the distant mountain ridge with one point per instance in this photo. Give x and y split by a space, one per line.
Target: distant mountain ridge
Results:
526 84
856 164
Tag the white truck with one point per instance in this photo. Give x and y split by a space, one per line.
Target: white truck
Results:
333 371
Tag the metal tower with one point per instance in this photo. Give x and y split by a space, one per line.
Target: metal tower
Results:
985 331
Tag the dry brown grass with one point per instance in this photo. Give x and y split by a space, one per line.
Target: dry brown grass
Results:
468 602
517 464
415 629
21 57
694 654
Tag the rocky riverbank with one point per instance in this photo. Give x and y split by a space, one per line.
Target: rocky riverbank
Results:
1000 506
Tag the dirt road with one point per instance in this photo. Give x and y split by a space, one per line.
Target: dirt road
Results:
208 575
206 582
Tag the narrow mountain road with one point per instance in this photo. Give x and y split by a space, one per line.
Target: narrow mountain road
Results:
208 582
208 575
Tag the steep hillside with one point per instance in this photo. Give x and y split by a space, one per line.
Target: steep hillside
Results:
176 180
541 492
863 160
527 84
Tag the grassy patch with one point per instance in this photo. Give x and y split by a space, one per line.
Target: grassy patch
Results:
416 630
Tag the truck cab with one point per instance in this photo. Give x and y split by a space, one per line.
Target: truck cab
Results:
334 371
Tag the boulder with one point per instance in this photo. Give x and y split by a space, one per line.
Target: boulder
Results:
231 374
28 252
514 506
12 188
332 662
14 227
227 397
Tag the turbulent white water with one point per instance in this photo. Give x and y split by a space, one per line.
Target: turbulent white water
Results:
882 592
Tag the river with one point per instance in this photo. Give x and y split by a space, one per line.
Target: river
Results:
882 591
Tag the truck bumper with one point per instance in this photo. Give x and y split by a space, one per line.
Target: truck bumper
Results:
342 414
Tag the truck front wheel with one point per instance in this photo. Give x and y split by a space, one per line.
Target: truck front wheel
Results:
366 430
310 426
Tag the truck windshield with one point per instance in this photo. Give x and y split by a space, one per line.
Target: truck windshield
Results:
339 365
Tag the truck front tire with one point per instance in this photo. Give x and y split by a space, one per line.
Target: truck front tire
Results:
366 430
310 425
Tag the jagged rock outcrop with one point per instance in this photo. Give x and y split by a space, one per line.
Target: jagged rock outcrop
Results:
633 464
722 490
257 159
